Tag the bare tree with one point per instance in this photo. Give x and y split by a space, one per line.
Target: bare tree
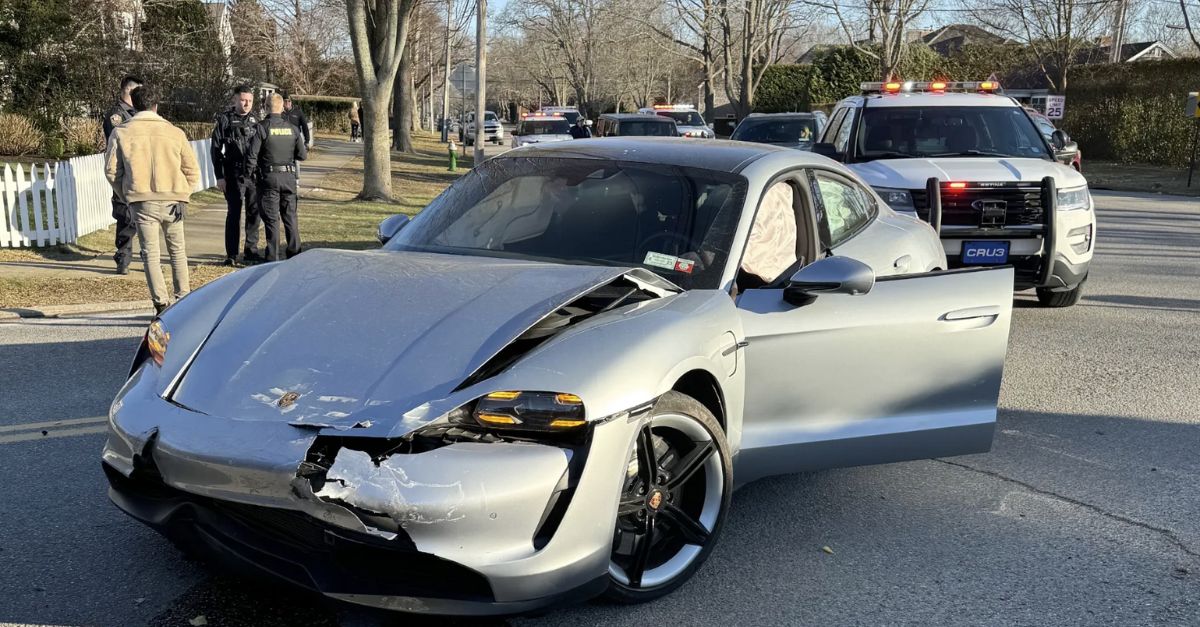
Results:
696 36
378 35
1057 32
879 28
1188 26
578 29
760 33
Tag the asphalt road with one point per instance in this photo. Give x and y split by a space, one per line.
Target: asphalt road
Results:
1085 512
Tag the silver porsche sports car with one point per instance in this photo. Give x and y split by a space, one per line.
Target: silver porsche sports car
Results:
546 385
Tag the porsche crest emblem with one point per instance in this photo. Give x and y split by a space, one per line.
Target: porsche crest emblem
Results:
287 400
656 499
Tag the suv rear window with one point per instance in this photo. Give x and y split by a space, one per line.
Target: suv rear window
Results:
649 127
920 132
545 127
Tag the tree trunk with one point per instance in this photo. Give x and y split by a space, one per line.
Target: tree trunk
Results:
402 105
377 155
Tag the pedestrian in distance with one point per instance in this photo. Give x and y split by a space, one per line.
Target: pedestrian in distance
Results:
581 130
355 123
153 168
274 150
232 132
294 114
121 112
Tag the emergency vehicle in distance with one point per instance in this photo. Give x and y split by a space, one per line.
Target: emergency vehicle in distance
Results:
971 162
540 127
570 113
687 119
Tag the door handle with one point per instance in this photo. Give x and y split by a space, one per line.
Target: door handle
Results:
901 264
972 313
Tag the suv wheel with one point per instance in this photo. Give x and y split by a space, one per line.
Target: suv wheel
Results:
1047 298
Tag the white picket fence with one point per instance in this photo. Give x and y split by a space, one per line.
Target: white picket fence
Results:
47 204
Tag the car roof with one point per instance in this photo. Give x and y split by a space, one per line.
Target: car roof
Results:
796 114
638 116
927 99
714 154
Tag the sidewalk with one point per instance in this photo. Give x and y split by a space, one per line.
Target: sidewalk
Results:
205 226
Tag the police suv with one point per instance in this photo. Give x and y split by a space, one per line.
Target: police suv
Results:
972 163
687 119
540 128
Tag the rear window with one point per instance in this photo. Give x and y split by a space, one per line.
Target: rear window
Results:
649 127
777 131
545 127
684 118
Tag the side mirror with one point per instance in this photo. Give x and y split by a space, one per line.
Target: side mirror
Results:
587 122
390 227
1058 139
832 275
827 150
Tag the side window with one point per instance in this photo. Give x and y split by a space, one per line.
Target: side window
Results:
842 139
832 127
846 208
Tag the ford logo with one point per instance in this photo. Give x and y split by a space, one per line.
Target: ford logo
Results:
985 204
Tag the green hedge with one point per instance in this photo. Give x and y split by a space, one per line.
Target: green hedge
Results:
1133 112
837 72
327 113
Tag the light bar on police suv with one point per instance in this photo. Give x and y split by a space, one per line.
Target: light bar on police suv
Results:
892 87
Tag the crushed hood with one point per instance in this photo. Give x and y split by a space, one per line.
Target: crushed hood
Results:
340 338
913 173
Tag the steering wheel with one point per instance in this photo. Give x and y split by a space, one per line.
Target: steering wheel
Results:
644 245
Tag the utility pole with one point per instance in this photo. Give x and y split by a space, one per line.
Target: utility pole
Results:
1118 34
480 77
446 77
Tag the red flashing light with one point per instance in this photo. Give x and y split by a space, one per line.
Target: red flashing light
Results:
958 185
891 88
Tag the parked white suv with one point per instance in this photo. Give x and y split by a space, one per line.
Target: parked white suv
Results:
493 131
973 164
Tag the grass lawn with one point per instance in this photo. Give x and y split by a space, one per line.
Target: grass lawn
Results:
330 217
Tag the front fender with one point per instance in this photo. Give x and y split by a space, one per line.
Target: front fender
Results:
623 359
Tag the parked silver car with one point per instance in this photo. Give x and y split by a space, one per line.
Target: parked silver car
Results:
547 384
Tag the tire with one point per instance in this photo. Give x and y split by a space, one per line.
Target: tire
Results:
664 533
1047 298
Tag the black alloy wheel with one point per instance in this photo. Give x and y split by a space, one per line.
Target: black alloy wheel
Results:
673 500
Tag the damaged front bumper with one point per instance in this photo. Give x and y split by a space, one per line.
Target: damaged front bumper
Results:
468 528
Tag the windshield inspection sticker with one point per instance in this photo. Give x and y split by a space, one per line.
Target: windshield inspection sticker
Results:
659 260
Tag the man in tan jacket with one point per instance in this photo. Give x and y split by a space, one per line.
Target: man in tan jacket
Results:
151 166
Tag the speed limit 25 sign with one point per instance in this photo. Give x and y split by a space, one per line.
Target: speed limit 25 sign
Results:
1055 106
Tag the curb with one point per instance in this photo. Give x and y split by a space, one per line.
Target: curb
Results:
67 311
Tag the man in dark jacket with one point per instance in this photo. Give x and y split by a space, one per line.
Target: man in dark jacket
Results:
292 113
230 145
121 112
274 150
581 130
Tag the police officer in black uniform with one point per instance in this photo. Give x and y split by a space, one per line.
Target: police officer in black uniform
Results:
276 147
292 113
231 139
121 111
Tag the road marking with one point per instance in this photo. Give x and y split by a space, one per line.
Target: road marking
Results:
65 433
53 424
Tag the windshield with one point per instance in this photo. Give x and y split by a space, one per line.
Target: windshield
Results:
789 131
677 222
545 127
900 132
490 117
684 118
651 127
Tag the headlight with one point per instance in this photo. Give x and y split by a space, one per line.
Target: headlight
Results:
897 199
156 341
530 411
1074 198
